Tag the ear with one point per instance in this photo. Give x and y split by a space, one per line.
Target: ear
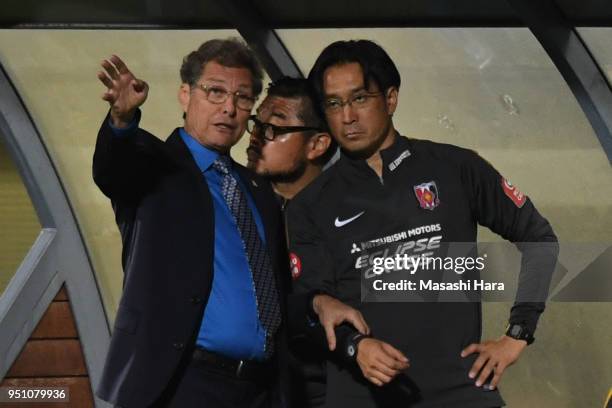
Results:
184 95
318 145
391 99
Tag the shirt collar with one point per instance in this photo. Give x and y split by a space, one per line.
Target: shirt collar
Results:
203 156
391 156
397 152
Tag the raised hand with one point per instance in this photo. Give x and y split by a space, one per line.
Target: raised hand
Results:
125 93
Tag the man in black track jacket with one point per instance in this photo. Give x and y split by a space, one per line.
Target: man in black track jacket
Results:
289 146
402 195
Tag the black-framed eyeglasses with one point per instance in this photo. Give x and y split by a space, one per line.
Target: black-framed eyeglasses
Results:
358 100
217 94
269 131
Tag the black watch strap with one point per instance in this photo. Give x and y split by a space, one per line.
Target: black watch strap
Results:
351 345
520 332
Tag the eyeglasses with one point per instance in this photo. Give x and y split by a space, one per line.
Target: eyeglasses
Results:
217 94
359 101
270 131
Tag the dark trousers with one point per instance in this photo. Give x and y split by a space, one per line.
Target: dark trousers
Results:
308 375
198 385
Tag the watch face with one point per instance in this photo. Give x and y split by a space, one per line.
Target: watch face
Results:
516 330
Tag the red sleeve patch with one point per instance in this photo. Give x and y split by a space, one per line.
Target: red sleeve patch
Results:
295 265
513 193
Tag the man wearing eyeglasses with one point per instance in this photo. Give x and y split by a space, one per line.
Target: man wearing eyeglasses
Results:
289 143
202 318
390 195
289 146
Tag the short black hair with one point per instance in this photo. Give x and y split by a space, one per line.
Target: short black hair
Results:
229 52
375 63
311 112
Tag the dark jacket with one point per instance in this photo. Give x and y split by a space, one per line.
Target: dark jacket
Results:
165 213
349 216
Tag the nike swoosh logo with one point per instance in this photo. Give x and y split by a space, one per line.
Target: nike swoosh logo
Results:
342 223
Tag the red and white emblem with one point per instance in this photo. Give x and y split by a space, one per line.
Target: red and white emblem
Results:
427 194
295 265
513 193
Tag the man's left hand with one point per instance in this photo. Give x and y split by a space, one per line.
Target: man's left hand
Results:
332 313
494 356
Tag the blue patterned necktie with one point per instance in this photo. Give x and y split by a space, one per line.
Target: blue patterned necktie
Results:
264 282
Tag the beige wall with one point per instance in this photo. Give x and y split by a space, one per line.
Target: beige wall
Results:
494 90
19 224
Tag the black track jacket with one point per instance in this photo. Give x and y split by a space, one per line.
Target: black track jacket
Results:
333 219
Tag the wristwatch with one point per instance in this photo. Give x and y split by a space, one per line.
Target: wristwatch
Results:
520 332
352 343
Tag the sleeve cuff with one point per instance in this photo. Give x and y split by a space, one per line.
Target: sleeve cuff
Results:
527 314
122 132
